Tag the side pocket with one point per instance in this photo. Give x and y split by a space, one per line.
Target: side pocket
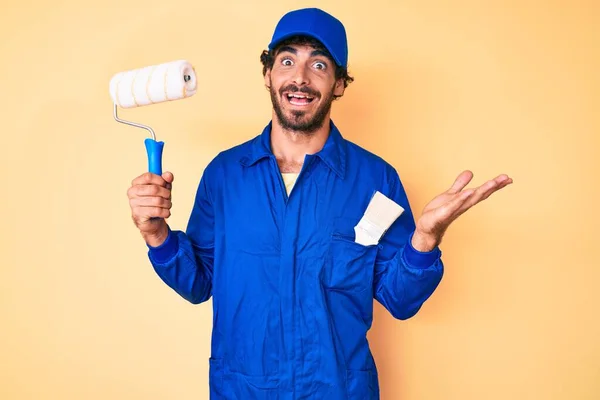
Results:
362 385
215 378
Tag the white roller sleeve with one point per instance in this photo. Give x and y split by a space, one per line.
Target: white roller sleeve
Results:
153 84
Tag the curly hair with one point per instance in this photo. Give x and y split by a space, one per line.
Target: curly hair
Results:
267 57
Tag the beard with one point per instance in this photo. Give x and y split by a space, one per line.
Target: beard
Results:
299 121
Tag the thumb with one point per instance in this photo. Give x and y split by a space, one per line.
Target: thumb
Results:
167 176
461 181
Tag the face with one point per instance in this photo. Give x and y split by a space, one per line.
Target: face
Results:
302 85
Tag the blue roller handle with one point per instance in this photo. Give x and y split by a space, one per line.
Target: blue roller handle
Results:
154 150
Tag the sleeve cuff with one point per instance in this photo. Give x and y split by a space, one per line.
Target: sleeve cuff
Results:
166 251
419 259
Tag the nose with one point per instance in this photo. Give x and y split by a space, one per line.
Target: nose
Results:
300 75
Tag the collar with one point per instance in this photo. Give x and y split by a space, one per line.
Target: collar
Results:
333 153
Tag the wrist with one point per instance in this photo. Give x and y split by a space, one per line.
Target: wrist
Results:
424 243
155 239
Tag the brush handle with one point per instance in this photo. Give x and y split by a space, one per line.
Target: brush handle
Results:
154 150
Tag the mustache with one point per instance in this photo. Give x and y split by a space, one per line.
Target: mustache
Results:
294 88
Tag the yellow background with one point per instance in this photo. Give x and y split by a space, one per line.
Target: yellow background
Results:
441 86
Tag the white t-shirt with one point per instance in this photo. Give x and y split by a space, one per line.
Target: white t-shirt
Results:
289 179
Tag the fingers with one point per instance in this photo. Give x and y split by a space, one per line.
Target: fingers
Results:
149 184
146 207
486 190
150 202
491 186
142 214
462 200
149 191
149 178
450 210
501 182
461 181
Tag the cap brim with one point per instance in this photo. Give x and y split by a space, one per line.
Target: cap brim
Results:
288 35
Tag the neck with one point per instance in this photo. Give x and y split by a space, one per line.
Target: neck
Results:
290 147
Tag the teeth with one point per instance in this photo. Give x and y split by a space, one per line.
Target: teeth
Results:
298 96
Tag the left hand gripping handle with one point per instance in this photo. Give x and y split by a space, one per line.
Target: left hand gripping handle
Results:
154 150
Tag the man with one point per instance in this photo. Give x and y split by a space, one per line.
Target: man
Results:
272 235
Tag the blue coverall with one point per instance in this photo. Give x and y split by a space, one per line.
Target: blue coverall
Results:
292 292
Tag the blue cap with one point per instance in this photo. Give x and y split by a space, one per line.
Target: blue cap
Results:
318 24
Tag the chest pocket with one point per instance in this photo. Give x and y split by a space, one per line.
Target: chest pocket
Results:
349 265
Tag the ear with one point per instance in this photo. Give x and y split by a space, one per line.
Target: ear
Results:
339 88
268 78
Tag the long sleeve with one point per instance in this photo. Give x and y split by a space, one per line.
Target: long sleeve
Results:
404 277
185 261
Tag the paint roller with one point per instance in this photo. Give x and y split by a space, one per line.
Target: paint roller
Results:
153 84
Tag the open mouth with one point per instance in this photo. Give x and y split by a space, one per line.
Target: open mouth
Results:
298 99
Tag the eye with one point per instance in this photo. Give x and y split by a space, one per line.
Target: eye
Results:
320 65
287 62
